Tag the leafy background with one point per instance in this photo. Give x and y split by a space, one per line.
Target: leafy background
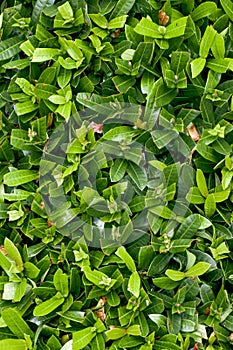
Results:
170 286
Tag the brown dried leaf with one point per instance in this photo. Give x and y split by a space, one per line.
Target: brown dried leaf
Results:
193 132
163 18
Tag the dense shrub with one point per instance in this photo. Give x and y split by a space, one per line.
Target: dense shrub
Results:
116 169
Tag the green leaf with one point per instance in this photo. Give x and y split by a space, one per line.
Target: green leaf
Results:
175 275
123 84
13 344
16 323
161 94
126 258
176 28
204 10
189 227
117 170
179 60
117 22
99 19
19 177
221 196
66 11
163 212
228 7
137 174
201 183
194 196
218 46
122 8
98 278
60 281
48 306
10 47
115 333
165 283
13 252
31 270
38 7
45 54
197 270
210 205
57 99
83 338
207 41
219 65
162 138
134 284
197 66
148 28
134 330
25 107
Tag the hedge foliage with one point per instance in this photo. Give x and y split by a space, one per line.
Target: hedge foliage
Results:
116 167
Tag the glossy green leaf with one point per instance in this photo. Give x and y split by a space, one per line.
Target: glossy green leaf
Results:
16 323
10 47
126 258
19 177
203 10
13 344
197 66
83 337
49 305
228 7
210 205
134 284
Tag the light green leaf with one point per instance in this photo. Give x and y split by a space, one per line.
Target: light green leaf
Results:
228 7
194 196
210 205
163 212
204 10
197 66
117 22
134 284
207 41
13 344
127 259
57 99
25 107
218 46
201 183
115 333
83 338
45 54
19 177
148 28
13 252
99 19
175 275
176 28
16 323
49 305
219 65
66 11
60 281
221 196
197 270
